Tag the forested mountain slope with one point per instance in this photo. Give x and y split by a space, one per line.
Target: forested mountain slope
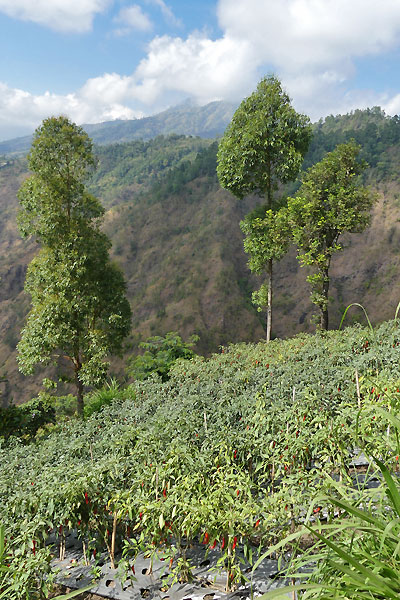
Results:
185 119
176 235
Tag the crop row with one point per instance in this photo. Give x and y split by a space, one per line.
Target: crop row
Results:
231 451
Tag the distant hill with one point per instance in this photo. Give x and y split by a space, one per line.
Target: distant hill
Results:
176 234
206 121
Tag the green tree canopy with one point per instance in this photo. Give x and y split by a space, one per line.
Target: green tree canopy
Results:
330 201
79 307
160 354
264 144
267 238
263 147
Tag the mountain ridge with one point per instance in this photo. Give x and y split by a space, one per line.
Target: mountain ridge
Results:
206 121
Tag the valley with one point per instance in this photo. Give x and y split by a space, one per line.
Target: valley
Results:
176 235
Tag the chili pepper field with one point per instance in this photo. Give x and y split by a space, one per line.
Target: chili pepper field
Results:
228 457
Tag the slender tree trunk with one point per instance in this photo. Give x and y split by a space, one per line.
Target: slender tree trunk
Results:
269 264
324 308
79 389
269 303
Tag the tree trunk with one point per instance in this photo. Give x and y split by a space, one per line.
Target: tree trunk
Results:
79 389
324 308
269 263
269 304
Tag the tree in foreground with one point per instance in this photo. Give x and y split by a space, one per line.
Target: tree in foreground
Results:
79 307
330 201
263 147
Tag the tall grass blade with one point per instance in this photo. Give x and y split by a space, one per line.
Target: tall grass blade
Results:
396 313
289 589
74 593
2 537
379 581
392 492
365 313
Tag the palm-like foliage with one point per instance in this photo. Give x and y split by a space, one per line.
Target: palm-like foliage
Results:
357 556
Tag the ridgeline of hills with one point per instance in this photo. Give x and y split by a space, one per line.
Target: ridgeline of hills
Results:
176 234
185 119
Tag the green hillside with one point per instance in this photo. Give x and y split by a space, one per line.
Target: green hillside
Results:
176 234
230 455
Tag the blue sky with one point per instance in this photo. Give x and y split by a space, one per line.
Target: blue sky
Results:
98 60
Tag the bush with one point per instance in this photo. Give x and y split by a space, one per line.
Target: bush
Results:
24 421
160 354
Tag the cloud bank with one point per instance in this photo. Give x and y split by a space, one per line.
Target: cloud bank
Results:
61 15
311 45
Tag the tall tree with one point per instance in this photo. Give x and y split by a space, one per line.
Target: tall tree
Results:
79 308
330 201
263 146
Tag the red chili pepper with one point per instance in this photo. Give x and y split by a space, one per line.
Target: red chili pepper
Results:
86 498
213 545
140 515
164 493
78 523
234 454
223 543
257 523
237 492
34 547
234 542
304 418
206 538
133 569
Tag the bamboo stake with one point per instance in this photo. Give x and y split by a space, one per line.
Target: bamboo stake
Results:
113 536
358 390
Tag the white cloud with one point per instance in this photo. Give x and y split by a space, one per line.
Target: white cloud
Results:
98 100
310 44
312 33
132 18
61 15
392 105
196 66
166 11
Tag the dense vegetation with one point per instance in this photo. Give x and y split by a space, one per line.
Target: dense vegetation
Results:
176 236
141 163
371 128
230 451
